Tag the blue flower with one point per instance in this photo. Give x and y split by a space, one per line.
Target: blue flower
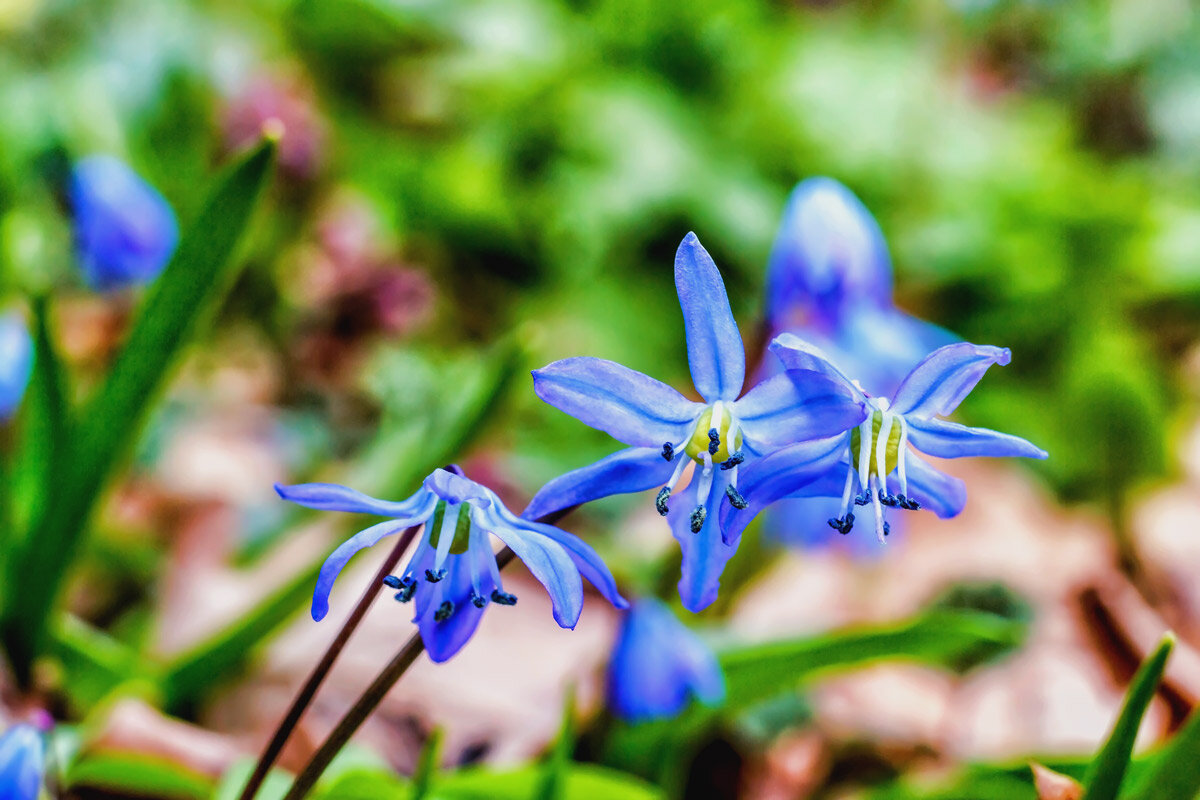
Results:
668 432
872 464
829 280
658 664
22 763
124 230
16 363
452 575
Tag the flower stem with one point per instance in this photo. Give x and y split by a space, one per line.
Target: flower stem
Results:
305 695
366 704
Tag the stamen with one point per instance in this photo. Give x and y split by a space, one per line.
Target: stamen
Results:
443 611
668 451
434 576
880 525
846 492
699 513
406 585
445 539
478 600
901 452
889 500
881 448
862 498
733 460
392 581
702 492
660 502
735 498
503 598
866 443
842 525
908 504
714 440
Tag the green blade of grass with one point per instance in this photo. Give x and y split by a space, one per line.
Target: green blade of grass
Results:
1107 771
106 430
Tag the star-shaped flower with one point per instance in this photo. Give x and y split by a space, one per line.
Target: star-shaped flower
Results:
667 432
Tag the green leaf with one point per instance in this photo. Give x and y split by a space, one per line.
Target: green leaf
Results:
274 787
553 785
1173 773
122 774
427 765
582 782
195 279
1104 776
392 467
94 664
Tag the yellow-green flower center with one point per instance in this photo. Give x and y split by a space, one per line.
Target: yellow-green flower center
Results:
462 526
892 454
698 445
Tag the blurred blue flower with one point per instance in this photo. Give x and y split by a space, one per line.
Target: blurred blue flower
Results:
125 231
22 763
829 280
870 455
667 432
658 664
453 574
16 363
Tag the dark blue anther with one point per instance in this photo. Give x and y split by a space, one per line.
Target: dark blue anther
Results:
699 514
733 460
714 441
443 611
668 451
843 525
407 590
503 598
908 504
478 600
392 581
434 577
660 502
886 529
862 498
735 498
889 500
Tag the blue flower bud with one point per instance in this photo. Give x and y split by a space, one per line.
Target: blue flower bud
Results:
22 763
16 363
829 255
125 232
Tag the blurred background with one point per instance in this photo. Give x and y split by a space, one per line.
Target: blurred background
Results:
468 190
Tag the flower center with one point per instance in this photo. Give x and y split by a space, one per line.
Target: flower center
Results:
714 427
462 526
892 446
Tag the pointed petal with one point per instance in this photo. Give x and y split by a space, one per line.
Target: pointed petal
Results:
454 487
795 407
715 351
22 763
797 354
545 558
627 405
337 560
939 383
704 554
445 638
787 473
333 497
944 439
942 494
632 470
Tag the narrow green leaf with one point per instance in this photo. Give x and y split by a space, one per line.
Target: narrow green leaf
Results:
427 765
1173 773
273 788
1107 771
553 784
582 782
94 664
192 283
398 461
119 774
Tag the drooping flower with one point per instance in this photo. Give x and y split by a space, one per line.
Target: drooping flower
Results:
16 363
658 665
452 575
22 763
829 280
668 432
874 463
124 229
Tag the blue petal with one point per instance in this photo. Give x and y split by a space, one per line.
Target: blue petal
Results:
795 407
632 470
881 346
800 522
829 257
334 497
16 363
586 560
627 405
22 763
797 354
658 663
715 351
944 439
456 488
704 554
337 560
546 559
942 494
939 383
445 638
817 467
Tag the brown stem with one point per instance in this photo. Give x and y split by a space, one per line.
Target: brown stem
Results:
305 695
366 704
